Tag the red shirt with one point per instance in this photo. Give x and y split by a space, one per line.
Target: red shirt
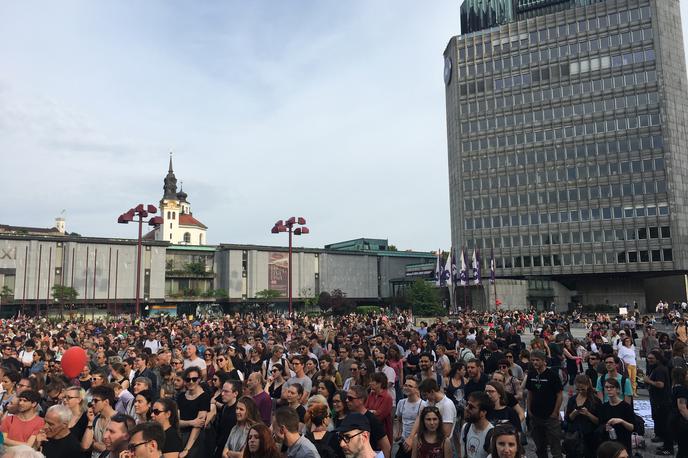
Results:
382 405
20 430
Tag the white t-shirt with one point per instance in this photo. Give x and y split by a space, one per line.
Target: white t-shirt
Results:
198 362
448 411
408 412
474 447
154 345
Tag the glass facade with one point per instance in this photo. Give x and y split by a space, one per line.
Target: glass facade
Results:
557 138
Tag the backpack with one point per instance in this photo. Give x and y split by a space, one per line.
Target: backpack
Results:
464 439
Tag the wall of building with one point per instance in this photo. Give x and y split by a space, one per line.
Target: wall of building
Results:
512 294
562 296
668 289
98 271
625 290
355 275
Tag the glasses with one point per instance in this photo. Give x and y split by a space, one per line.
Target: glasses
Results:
274 370
220 360
351 398
133 447
347 439
209 356
191 379
354 369
157 411
503 367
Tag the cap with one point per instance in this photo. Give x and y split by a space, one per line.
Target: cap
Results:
354 421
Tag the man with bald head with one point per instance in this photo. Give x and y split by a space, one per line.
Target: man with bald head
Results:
55 438
193 360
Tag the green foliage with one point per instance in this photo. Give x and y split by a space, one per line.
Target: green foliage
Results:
220 293
368 309
392 248
169 265
268 294
309 299
64 293
424 299
196 268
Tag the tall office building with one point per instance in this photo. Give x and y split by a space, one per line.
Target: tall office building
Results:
568 149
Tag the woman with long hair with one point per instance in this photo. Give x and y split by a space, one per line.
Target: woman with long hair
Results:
275 382
506 443
225 363
355 379
616 415
118 375
582 413
501 413
571 358
430 442
218 379
209 358
340 407
327 372
327 389
626 353
260 444
612 449
366 369
254 363
165 413
247 415
456 383
142 404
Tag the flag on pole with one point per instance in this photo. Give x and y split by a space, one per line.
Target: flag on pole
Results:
447 272
476 267
492 267
438 269
463 273
454 270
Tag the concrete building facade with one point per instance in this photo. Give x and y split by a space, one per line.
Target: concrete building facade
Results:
566 125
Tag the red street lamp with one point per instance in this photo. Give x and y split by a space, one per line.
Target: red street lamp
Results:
155 221
288 226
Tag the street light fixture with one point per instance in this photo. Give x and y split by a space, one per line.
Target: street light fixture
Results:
288 226
154 221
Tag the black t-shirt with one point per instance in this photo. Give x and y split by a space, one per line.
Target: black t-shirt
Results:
173 442
624 411
677 392
505 415
472 386
68 446
557 354
377 430
543 390
223 423
301 410
189 408
659 396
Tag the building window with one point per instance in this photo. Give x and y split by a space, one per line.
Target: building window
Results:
668 256
200 239
168 215
187 237
174 215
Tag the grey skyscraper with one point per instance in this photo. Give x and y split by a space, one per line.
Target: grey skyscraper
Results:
568 150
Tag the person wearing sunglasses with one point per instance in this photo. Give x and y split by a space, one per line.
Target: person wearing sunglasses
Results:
164 412
99 414
194 405
356 399
146 441
354 437
275 382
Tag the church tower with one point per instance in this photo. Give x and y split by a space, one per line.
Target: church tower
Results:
179 226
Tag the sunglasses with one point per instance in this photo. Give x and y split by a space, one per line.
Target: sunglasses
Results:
351 398
157 411
191 379
220 360
347 439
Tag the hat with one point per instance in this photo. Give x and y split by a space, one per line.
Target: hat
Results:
354 421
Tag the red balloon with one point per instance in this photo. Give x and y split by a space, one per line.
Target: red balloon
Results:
73 361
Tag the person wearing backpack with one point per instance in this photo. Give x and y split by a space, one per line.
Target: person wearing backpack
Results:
476 432
610 363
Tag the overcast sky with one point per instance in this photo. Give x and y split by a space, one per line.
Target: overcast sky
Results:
324 109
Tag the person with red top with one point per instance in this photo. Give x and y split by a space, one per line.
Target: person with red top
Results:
379 402
23 427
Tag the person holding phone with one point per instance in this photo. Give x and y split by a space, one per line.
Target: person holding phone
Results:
582 414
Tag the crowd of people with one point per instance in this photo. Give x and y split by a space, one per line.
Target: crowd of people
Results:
357 386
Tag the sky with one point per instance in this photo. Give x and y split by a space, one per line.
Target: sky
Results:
329 110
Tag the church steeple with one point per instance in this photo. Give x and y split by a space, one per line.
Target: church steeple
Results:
170 187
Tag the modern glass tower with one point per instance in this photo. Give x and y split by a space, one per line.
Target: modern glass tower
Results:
568 145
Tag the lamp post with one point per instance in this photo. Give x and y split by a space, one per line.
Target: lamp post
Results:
125 218
288 226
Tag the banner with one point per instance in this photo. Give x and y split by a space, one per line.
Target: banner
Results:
278 273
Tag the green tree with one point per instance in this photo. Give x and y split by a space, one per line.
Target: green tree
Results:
6 294
424 299
341 305
309 299
64 294
220 293
268 294
196 268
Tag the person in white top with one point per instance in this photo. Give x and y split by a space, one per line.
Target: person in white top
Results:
626 353
430 390
192 360
408 409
